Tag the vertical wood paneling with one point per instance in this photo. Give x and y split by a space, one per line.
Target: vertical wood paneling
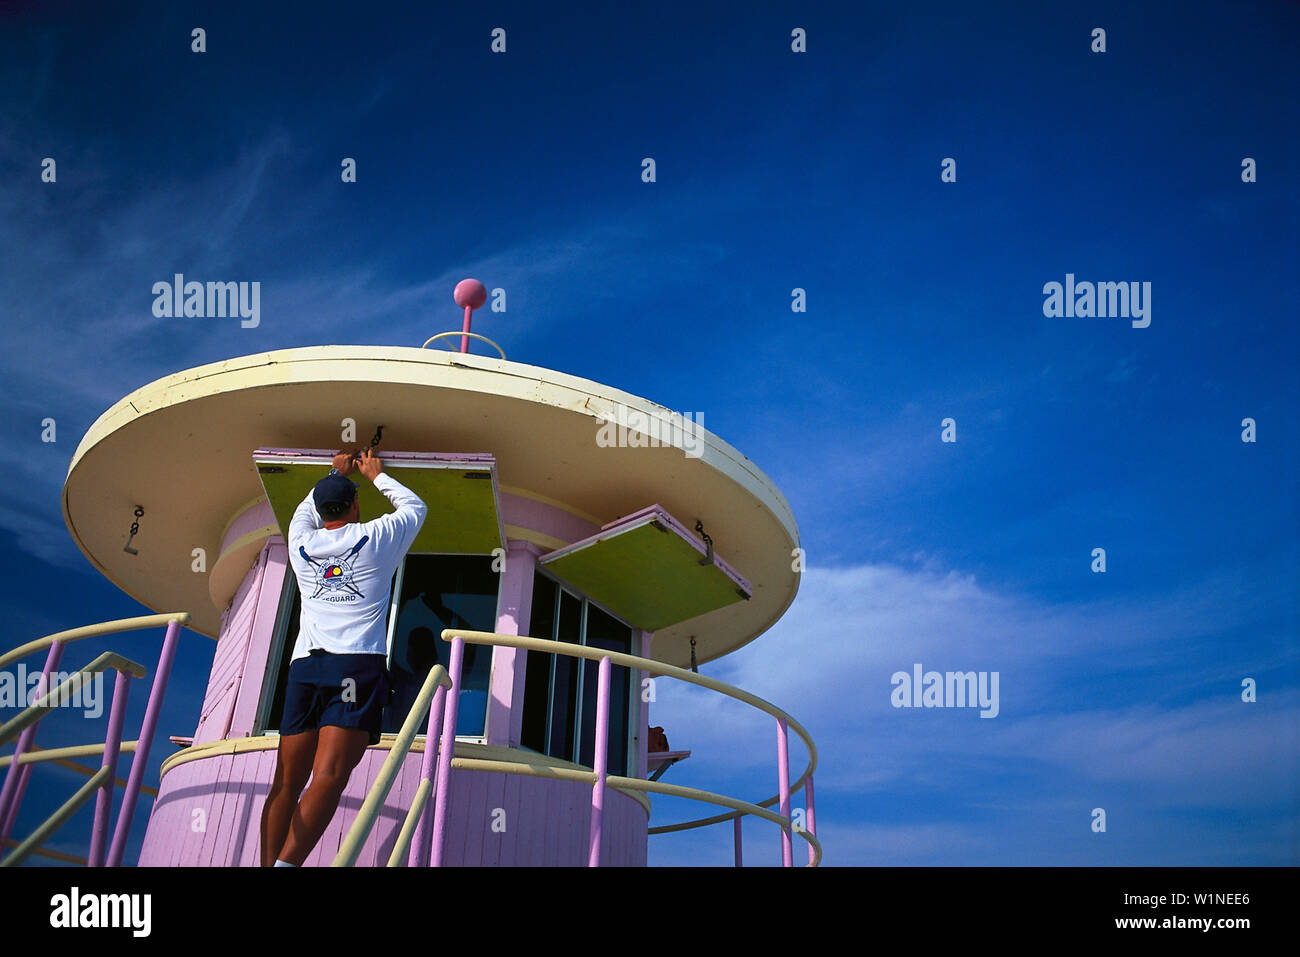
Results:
216 819
257 647
457 815
368 849
191 794
547 821
226 811
177 819
476 820
232 648
550 834
495 797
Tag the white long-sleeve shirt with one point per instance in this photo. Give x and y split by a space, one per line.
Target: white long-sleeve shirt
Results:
344 573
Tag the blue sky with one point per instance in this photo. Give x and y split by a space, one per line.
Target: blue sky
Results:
775 170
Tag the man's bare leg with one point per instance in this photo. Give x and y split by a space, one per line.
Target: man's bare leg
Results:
293 765
338 751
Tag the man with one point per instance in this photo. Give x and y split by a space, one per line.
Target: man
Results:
338 678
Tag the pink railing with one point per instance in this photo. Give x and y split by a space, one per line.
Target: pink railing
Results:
102 852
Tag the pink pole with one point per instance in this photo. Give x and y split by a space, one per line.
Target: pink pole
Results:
601 763
736 822
445 752
112 745
783 777
11 795
812 819
464 340
418 853
141 759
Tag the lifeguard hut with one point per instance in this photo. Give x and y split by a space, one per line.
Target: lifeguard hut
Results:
580 541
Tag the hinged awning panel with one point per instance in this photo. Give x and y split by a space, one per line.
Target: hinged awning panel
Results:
646 568
459 489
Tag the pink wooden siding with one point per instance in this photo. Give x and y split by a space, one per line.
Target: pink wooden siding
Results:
228 663
546 822
258 650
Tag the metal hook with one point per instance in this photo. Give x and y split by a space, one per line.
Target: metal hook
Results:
708 544
135 527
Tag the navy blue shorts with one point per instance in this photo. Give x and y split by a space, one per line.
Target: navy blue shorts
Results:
319 693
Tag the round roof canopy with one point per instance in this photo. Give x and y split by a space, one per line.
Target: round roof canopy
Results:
182 448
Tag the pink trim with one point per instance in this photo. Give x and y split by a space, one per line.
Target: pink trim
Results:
811 823
644 516
147 728
252 670
783 779
11 795
445 752
475 458
600 764
643 641
546 519
514 609
252 518
417 855
112 745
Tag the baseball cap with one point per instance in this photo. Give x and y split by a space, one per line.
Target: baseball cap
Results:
334 490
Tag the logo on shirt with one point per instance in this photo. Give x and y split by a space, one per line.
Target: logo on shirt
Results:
334 574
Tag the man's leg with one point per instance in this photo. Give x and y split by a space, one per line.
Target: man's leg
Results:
293 765
338 751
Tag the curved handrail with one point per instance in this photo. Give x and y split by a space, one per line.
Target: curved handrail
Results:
37 709
35 754
637 663
365 819
91 631
57 819
472 335
61 755
24 725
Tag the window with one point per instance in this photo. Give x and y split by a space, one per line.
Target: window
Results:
433 592
560 692
437 592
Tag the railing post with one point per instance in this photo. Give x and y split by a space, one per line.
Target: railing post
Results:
11 795
811 823
418 855
783 779
739 860
112 745
600 764
445 751
141 759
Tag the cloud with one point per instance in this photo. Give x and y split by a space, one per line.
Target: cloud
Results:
1100 700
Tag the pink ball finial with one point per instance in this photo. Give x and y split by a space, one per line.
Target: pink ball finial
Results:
470 293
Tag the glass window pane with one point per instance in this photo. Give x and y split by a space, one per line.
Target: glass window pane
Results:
443 591
537 680
604 631
564 703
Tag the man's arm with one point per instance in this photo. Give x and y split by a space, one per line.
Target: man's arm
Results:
404 523
305 519
410 510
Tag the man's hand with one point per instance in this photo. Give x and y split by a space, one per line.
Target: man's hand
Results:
369 465
343 462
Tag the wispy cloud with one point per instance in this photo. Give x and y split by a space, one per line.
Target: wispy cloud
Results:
1094 696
